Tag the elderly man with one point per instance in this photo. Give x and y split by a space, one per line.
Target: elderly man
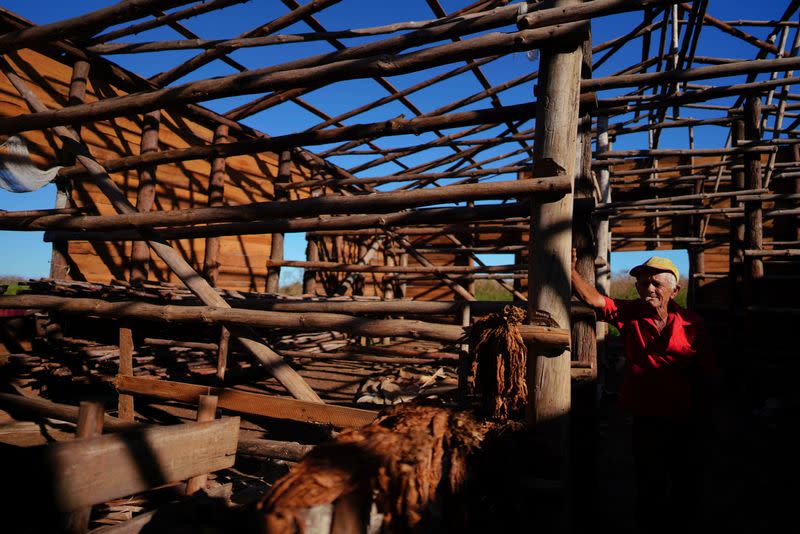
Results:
666 387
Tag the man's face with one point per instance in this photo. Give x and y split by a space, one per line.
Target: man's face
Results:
656 288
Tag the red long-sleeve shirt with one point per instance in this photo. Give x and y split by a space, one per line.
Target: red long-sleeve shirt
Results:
666 371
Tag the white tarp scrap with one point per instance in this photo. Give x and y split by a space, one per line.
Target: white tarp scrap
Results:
18 174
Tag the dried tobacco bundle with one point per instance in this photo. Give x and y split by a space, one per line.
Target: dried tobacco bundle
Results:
498 361
411 462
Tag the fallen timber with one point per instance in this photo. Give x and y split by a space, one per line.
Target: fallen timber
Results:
544 188
546 337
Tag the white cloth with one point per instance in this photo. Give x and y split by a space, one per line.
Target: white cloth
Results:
18 174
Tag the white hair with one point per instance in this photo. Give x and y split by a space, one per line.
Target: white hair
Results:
669 280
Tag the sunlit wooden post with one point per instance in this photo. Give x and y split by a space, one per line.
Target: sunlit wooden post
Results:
549 259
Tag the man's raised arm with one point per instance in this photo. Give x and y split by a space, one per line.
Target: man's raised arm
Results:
584 290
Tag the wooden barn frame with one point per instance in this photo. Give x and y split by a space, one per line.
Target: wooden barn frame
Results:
169 213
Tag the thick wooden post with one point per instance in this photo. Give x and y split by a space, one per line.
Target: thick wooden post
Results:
549 276
754 266
276 249
146 194
90 424
206 411
216 197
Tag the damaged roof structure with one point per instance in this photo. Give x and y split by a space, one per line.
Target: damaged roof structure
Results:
406 152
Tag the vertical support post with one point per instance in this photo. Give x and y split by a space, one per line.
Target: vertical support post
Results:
754 266
403 284
125 402
549 260
90 424
388 278
216 197
603 235
697 254
140 253
59 266
736 251
222 353
584 340
206 411
309 276
146 194
276 249
467 259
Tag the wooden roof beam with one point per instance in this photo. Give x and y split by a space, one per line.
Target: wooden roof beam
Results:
83 25
167 77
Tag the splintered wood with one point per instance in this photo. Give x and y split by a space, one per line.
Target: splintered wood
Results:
412 463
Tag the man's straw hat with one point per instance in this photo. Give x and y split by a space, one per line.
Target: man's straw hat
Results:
657 263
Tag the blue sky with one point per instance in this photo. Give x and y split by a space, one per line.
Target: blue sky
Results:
31 255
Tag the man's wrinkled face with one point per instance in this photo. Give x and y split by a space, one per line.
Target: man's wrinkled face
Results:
656 288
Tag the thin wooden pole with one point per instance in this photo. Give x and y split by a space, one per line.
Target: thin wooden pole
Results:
146 194
125 410
754 266
309 277
543 188
264 80
206 411
59 265
549 337
216 197
83 25
276 249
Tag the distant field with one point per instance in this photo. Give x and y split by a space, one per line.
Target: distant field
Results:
12 285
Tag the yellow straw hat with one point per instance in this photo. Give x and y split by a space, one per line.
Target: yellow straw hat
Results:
657 264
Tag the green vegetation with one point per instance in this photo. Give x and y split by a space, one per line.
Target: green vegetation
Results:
491 290
11 285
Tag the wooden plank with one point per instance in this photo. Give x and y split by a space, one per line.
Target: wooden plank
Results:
96 470
249 403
